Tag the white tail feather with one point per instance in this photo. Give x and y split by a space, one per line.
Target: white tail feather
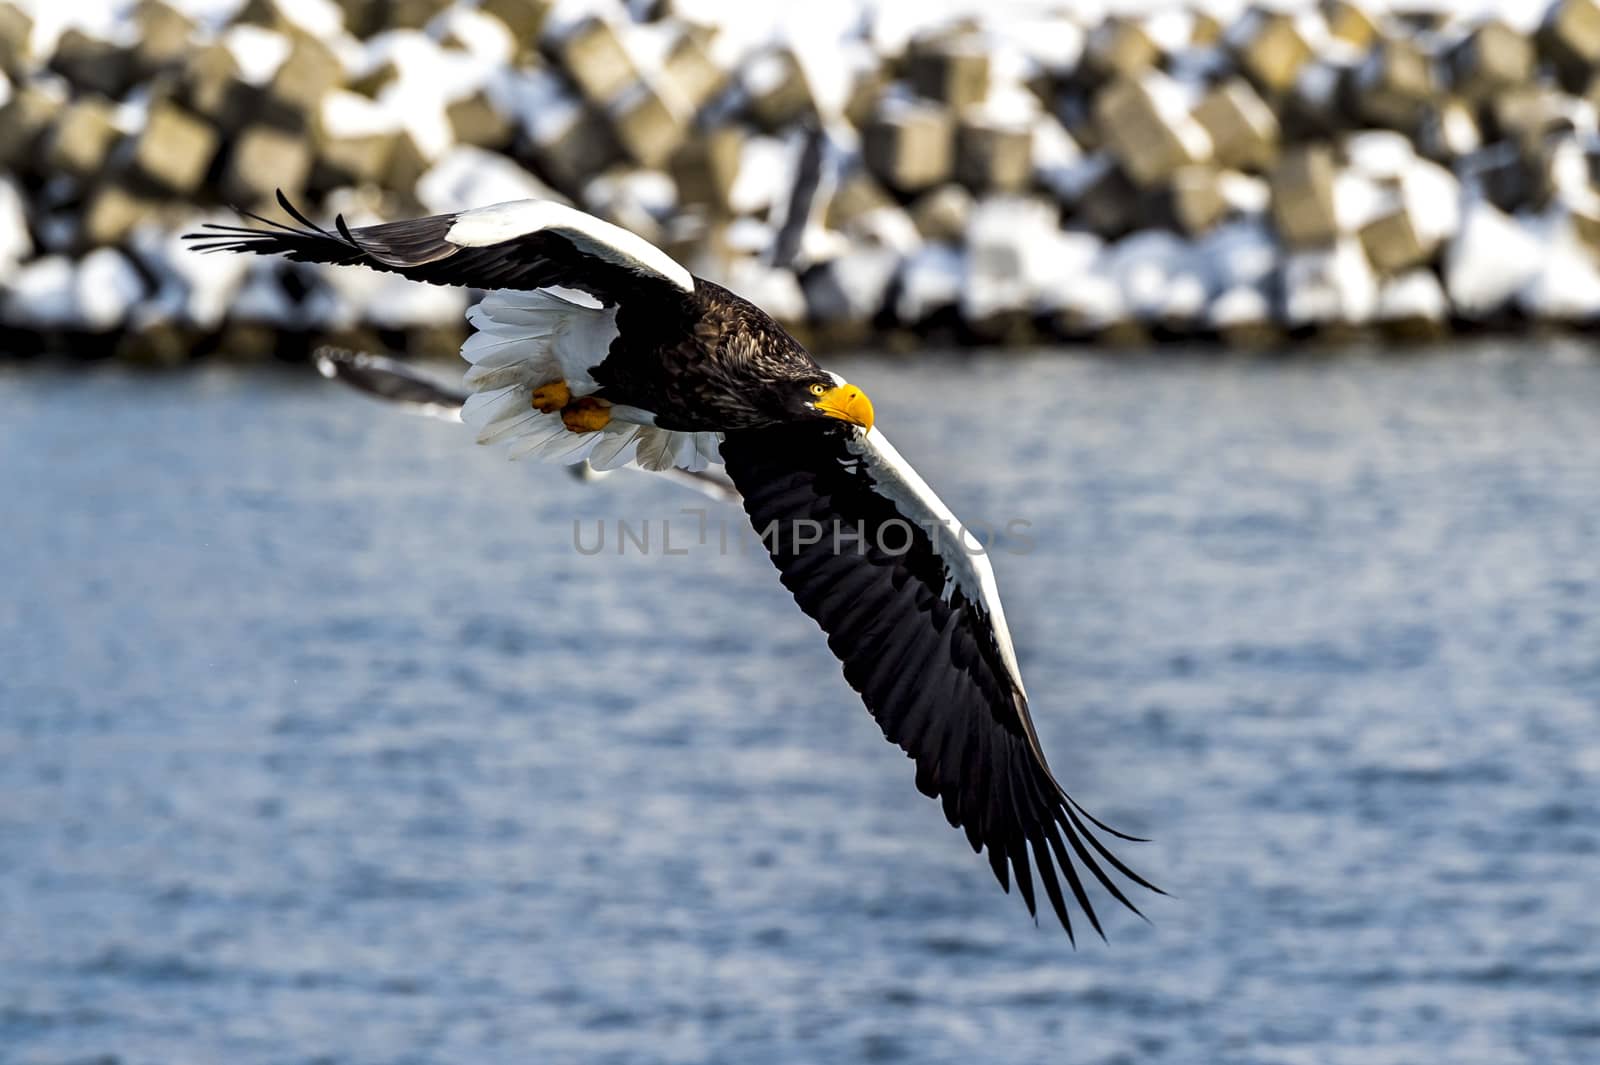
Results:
528 339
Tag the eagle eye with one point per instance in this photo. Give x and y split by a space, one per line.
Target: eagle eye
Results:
817 390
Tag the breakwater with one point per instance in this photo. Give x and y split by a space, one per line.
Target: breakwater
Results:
990 177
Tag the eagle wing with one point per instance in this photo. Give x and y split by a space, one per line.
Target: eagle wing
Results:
911 610
522 244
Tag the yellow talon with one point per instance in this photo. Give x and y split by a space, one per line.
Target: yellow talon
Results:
586 415
551 397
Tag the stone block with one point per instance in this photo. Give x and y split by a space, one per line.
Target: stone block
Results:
1147 130
1243 128
24 119
1395 84
175 148
952 70
1449 131
910 147
593 56
212 86
412 14
524 18
691 72
476 121
1302 197
1270 50
1392 244
92 65
707 165
1120 48
294 96
941 214
1197 200
111 213
262 159
16 41
406 164
777 88
83 136
1569 38
1493 57
993 155
164 37
648 124
1350 22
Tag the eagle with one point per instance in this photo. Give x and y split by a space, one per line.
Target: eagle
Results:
593 345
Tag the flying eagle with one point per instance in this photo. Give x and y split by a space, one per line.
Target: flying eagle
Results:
592 344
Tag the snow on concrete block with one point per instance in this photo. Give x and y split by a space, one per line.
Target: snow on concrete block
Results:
1380 154
858 194
41 295
16 243
993 154
1147 127
591 51
1413 305
851 288
1488 261
83 137
775 290
931 282
1329 286
1243 129
952 69
106 289
466 177
175 148
193 290
1011 241
910 146
1566 287
1240 254
1492 58
1449 131
213 85
1302 197
262 160
320 19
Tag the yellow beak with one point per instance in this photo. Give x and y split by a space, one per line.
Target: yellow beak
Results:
847 403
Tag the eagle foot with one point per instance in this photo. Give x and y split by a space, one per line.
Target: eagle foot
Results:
551 397
586 415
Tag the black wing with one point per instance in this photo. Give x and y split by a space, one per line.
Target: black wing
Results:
576 253
923 643
392 380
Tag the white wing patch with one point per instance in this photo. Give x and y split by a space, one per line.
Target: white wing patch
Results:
528 339
501 222
963 554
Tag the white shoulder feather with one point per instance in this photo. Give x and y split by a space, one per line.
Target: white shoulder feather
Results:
485 226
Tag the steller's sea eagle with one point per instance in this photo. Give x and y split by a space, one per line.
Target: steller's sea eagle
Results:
637 362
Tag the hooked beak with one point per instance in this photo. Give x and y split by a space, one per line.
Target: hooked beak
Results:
847 403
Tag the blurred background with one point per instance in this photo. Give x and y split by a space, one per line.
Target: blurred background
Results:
321 742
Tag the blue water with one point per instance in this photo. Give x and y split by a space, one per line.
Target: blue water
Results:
319 742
